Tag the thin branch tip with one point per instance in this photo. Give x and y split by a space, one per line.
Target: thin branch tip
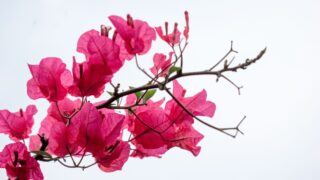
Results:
231 47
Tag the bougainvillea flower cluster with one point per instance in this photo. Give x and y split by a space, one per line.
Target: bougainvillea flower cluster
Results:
75 127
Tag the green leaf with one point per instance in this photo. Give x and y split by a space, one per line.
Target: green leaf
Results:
110 93
42 153
138 94
174 69
149 94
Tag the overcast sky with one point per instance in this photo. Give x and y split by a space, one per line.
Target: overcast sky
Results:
280 95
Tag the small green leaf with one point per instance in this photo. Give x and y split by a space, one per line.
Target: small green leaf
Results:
138 94
110 93
149 94
42 153
174 69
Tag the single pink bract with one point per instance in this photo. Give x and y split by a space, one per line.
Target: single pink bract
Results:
18 163
114 157
102 61
137 34
197 105
64 108
89 79
55 132
50 80
147 130
161 64
84 128
100 50
172 38
17 125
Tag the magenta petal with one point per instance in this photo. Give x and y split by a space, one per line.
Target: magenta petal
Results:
187 138
84 40
66 107
113 160
34 91
197 105
103 59
178 90
49 80
161 65
34 143
18 162
84 129
55 131
89 79
58 144
17 125
6 156
100 50
142 152
111 126
147 128
138 36
124 54
172 38
34 169
125 31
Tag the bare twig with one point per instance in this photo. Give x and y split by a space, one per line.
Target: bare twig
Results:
231 50
231 82
217 73
81 167
141 69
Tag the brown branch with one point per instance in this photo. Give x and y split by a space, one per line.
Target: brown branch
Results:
73 161
141 69
127 107
236 128
231 82
160 85
81 167
181 54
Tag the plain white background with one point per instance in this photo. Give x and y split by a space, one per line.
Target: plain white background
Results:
280 95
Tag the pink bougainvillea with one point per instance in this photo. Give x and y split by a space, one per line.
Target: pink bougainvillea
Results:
197 105
102 61
129 122
136 34
17 125
161 64
160 129
172 38
50 80
18 162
